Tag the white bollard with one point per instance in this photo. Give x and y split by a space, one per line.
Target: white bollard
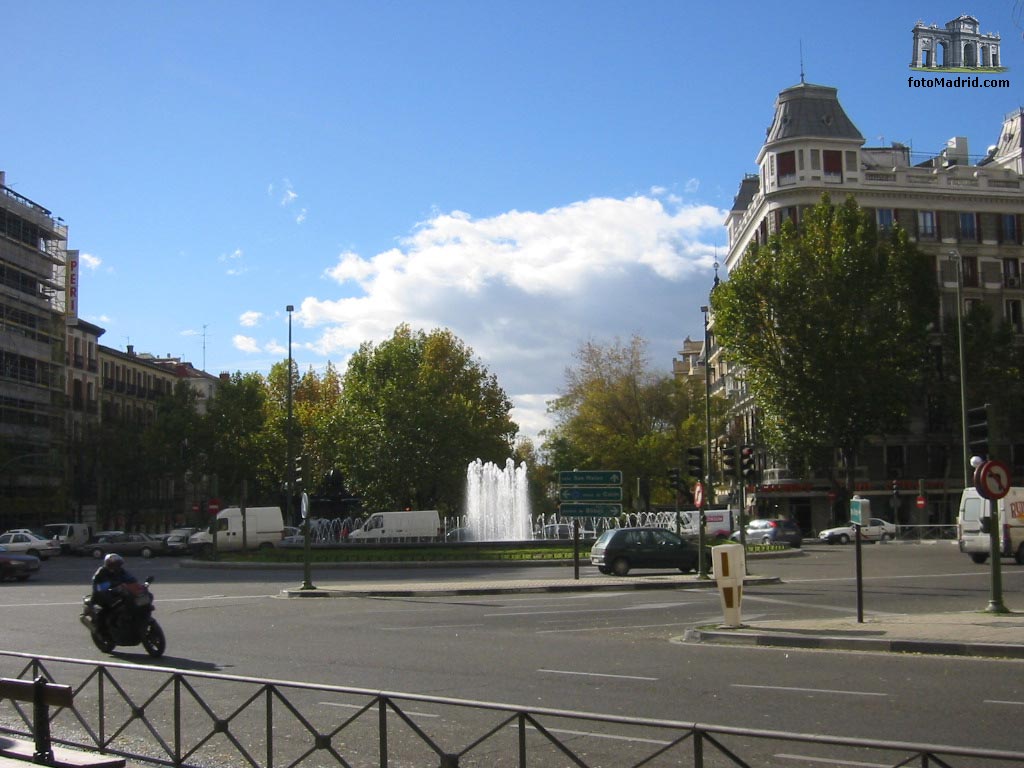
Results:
729 562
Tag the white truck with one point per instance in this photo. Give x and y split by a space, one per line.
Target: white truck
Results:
407 526
68 535
719 522
264 528
973 536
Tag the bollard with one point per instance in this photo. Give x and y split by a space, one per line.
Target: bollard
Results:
730 567
41 723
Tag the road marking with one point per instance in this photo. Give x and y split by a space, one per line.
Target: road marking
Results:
159 600
838 609
363 706
1009 703
433 626
595 674
808 690
832 761
653 606
607 629
591 734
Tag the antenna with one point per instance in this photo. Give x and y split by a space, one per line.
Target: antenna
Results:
204 346
801 62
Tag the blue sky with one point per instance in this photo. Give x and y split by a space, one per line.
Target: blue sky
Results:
531 175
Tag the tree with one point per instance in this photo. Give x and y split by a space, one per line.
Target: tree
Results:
830 324
414 411
616 413
241 453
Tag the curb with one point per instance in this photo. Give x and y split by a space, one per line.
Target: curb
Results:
513 588
751 636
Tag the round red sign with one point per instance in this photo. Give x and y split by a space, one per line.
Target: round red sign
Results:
921 502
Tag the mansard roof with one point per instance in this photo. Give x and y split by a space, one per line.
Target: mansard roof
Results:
810 111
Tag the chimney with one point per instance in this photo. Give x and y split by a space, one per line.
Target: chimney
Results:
131 350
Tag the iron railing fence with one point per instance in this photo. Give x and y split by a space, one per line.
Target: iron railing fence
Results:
195 719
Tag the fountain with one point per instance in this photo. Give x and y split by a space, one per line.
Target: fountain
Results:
497 502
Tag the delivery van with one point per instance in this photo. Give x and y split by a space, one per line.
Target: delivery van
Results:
68 535
264 528
406 526
973 536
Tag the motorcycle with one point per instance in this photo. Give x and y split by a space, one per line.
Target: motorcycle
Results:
127 621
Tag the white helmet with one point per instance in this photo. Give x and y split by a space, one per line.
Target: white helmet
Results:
113 560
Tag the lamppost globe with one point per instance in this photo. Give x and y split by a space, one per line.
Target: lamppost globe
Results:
977 461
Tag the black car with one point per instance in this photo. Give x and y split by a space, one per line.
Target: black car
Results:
619 550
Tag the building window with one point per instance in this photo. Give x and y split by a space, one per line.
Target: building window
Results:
787 167
1011 273
1008 229
851 161
926 225
885 218
1013 314
815 159
970 267
833 162
968 228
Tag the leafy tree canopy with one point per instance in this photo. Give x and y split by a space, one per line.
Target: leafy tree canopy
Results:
829 322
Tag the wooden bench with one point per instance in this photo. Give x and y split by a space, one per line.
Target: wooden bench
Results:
43 695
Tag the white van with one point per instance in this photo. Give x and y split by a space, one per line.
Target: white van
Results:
264 528
974 539
68 535
409 525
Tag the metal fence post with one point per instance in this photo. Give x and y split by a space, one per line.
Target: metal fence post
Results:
382 729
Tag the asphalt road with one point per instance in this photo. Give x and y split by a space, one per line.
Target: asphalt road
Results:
616 652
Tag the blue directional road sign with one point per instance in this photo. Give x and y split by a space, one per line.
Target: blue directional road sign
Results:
574 509
590 493
590 477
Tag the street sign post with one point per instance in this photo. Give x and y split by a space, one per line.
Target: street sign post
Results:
588 493
992 479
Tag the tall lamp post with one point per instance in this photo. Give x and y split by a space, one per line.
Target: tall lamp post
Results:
954 256
289 455
703 572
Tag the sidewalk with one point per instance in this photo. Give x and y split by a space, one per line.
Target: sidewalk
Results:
973 633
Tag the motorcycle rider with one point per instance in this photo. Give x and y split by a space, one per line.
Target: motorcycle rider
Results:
108 577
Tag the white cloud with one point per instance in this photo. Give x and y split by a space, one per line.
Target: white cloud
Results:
301 217
89 261
250 319
275 348
289 195
245 343
524 289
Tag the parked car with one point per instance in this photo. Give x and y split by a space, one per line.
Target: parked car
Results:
15 566
123 544
877 529
176 542
774 531
29 544
619 550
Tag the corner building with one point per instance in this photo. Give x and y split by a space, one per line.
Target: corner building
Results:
953 205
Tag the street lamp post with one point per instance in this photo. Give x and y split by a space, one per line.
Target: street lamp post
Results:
289 455
703 571
958 263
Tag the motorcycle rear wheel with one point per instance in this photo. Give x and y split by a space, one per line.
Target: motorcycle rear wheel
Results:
154 641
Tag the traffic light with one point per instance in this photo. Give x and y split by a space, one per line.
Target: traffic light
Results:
298 472
729 460
748 465
674 478
695 462
977 430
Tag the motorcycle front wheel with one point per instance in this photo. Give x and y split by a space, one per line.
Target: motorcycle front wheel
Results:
154 641
102 641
